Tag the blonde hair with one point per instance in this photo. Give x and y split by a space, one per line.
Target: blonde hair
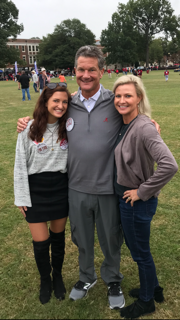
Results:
144 105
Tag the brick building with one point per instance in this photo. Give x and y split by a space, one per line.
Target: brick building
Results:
28 50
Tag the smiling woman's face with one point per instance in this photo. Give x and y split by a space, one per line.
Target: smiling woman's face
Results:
57 106
126 101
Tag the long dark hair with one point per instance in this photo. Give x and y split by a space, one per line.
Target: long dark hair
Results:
40 115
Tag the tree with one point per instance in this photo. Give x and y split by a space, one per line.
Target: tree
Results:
9 56
58 49
156 51
172 48
151 18
138 21
8 28
119 39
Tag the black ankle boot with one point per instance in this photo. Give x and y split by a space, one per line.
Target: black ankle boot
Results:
158 294
57 258
138 309
41 253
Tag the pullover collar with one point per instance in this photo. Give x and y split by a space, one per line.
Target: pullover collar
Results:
95 97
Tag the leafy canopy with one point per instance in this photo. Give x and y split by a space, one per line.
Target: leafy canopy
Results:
156 51
8 28
138 21
58 49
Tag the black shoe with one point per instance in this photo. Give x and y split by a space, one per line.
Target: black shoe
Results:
137 309
158 294
58 287
45 290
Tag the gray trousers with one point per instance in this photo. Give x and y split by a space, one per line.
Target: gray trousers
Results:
86 210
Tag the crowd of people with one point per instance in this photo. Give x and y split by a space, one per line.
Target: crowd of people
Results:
131 70
77 158
39 80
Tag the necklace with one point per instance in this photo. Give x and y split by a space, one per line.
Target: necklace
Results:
52 132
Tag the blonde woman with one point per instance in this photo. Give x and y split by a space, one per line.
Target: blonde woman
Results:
138 146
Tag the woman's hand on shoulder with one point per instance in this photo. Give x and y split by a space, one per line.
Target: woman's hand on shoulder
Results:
22 124
131 196
23 209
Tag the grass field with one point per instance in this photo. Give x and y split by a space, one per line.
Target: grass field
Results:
19 278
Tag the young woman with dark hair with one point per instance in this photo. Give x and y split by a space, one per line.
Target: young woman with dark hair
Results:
41 184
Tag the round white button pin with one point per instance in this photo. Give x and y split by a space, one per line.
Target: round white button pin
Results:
69 124
42 147
64 144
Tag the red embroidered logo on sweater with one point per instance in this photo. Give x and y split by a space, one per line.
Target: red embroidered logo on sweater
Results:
106 120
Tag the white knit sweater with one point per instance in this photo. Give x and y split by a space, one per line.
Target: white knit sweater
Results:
29 161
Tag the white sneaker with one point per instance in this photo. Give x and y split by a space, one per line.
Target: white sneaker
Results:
115 296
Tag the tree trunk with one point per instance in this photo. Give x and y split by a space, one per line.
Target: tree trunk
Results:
147 55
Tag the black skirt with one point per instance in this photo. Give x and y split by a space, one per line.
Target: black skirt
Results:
49 197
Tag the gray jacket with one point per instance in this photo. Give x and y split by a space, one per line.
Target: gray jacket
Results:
91 144
135 156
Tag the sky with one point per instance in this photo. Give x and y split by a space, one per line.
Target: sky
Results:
40 17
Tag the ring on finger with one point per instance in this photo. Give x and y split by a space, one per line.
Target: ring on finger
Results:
129 198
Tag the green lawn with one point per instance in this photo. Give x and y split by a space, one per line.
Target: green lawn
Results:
19 278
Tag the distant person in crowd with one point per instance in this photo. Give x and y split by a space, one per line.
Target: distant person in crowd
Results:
125 71
72 74
166 74
117 72
147 70
24 81
17 78
138 186
109 73
134 72
62 78
41 184
140 73
35 80
43 80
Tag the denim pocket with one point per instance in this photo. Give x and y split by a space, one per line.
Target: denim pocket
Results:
151 206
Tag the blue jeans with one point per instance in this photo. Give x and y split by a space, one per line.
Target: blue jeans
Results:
23 94
136 222
35 87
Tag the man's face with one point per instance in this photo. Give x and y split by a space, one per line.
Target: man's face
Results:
44 72
88 75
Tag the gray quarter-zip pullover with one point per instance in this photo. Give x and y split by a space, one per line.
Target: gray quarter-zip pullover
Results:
91 144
